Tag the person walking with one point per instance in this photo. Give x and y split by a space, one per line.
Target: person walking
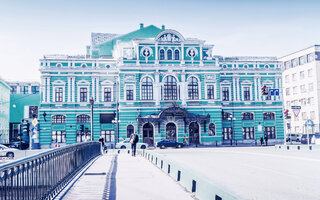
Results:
185 140
134 138
261 140
101 140
266 139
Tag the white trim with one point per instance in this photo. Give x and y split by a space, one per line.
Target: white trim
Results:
242 92
199 86
78 93
125 92
54 94
215 91
102 93
153 87
221 92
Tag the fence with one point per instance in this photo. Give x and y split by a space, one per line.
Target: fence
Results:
42 176
196 183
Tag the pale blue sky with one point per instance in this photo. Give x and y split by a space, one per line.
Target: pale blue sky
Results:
29 29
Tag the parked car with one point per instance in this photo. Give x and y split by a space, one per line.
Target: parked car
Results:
313 139
6 151
125 144
22 145
169 143
290 137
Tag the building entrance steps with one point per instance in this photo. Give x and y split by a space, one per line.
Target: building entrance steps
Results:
121 176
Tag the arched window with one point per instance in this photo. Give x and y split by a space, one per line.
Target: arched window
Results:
58 119
176 54
226 116
247 116
170 88
193 88
161 54
171 131
130 130
169 54
268 116
147 89
83 119
212 129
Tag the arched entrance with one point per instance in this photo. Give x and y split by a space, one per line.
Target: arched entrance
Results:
171 131
148 134
194 133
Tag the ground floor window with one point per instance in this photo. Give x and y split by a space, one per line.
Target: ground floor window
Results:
212 129
130 130
270 132
248 133
227 133
108 136
58 137
83 136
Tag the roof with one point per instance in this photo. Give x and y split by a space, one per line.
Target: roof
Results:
100 38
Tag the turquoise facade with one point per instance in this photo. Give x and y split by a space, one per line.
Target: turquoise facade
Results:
161 85
4 112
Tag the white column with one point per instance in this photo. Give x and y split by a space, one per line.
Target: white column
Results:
97 90
259 87
73 89
234 89
238 89
42 89
201 55
183 88
182 53
255 89
48 89
29 89
280 89
93 88
138 61
276 87
69 88
157 89
156 53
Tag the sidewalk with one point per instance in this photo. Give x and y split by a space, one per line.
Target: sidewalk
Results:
121 176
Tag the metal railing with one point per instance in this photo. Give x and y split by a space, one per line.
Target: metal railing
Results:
43 176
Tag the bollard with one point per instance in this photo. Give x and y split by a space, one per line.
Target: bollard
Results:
236 142
217 198
156 160
288 147
216 143
178 175
161 164
118 151
168 169
298 147
194 186
310 147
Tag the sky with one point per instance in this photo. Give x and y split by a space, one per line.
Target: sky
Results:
33 28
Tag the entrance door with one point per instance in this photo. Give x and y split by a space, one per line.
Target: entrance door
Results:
148 134
171 131
194 133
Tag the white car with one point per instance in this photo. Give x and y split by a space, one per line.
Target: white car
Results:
125 144
6 151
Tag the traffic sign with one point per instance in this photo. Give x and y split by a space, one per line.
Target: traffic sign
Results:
34 122
296 110
274 92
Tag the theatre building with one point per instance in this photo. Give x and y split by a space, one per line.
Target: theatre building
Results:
158 83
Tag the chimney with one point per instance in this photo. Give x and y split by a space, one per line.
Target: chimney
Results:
163 27
141 25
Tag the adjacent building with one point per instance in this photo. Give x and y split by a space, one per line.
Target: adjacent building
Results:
24 104
301 79
158 83
4 112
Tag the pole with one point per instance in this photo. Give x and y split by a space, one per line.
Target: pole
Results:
91 122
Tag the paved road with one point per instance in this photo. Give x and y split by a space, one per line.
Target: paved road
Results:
256 172
124 177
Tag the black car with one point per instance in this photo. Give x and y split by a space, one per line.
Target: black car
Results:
169 143
22 145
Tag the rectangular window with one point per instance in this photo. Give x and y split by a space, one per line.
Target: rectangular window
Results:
227 133
59 94
270 132
246 93
210 91
287 91
310 57
310 87
58 137
35 89
129 92
288 104
225 93
304 116
248 133
107 117
107 94
287 65
302 75
24 90
13 89
226 116
287 79
33 112
294 77
309 72
312 115
83 95
302 60
294 62
303 88
311 101
83 135
303 101
108 136
295 90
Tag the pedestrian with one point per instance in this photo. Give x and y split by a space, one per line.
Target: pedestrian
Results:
261 140
266 139
101 140
134 138
185 140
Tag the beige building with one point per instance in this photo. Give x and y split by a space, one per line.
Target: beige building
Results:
301 78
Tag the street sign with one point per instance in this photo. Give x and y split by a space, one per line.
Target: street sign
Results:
296 110
274 92
34 122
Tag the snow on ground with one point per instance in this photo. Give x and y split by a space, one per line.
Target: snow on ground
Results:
256 172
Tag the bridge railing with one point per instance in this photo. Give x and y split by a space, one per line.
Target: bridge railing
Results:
42 176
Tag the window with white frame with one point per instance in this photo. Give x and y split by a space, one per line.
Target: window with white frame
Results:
193 91
108 136
310 57
176 54
246 93
161 52
287 79
58 137
147 89
58 94
248 133
303 101
58 119
247 116
312 115
310 87
212 129
294 77
169 54
225 94
303 88
295 90
270 132
129 92
170 88
210 91
302 60
107 94
83 94
302 75
287 91
310 72
304 116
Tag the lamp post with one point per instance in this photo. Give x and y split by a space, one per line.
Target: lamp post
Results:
91 103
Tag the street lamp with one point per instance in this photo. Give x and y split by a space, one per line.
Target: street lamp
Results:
91 103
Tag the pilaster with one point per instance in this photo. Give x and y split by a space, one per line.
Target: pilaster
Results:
157 88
